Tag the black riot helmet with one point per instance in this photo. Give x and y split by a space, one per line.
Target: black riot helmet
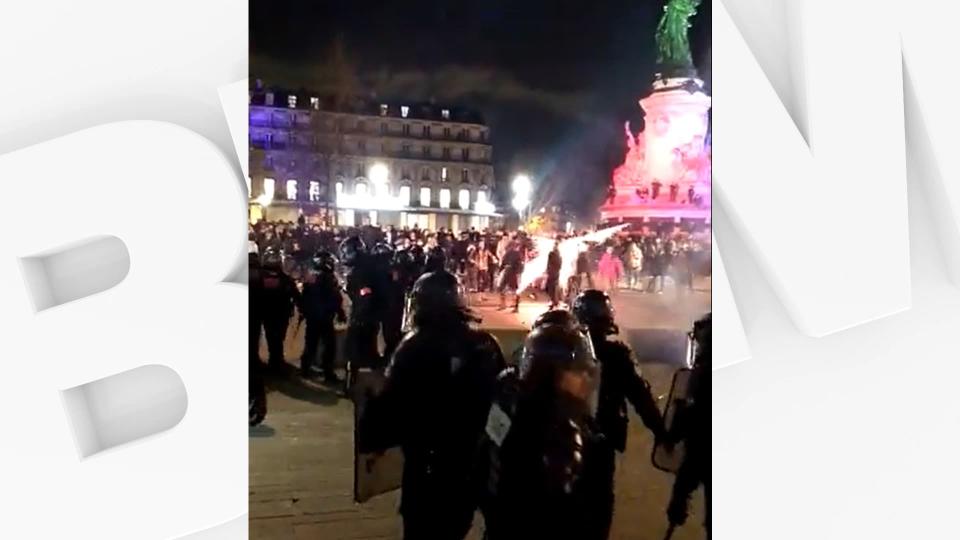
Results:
436 259
383 249
436 301
549 352
272 259
351 250
594 310
403 259
323 261
416 251
383 253
561 317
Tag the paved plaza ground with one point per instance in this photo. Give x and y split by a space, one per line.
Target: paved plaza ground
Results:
301 458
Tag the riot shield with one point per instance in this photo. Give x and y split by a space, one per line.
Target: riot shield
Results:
668 457
374 473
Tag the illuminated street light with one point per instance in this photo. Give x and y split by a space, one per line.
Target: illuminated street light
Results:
522 189
522 185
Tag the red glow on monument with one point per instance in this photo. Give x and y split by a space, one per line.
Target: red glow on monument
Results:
666 173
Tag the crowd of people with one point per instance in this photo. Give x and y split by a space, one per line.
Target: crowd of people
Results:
641 262
530 445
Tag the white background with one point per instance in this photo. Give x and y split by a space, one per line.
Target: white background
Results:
843 422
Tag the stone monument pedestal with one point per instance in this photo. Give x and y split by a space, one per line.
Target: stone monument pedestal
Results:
666 174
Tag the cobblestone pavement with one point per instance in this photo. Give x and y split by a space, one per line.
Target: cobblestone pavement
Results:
301 458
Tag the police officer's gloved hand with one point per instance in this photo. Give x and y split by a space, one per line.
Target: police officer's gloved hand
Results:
677 511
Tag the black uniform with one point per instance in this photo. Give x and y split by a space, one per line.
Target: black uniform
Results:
257 389
620 381
322 304
434 404
279 297
547 474
693 427
361 339
390 293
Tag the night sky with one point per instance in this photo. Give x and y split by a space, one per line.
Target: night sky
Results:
554 79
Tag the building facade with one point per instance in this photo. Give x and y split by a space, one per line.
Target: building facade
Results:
368 162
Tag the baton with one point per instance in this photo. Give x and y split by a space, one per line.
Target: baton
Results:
670 532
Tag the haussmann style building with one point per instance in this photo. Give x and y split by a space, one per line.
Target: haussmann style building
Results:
368 162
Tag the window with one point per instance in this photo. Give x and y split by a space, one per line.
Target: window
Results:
405 195
464 199
426 131
292 102
314 193
446 133
383 128
426 151
359 170
291 190
465 176
406 149
404 173
361 125
443 174
406 130
465 154
362 145
339 188
404 111
445 113
384 109
424 196
425 174
269 186
481 197
315 103
268 162
444 198
360 189
384 149
446 153
268 99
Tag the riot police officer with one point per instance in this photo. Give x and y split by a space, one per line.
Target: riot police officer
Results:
434 404
546 471
279 297
257 389
620 380
322 304
398 280
692 427
361 339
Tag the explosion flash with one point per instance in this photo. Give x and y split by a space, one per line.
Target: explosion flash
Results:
569 249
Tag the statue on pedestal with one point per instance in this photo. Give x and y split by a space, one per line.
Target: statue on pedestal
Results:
673 43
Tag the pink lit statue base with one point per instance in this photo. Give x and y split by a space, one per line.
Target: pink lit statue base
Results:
666 174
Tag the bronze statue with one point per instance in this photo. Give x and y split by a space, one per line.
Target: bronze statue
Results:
673 43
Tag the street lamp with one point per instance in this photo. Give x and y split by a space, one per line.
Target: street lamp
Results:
522 188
